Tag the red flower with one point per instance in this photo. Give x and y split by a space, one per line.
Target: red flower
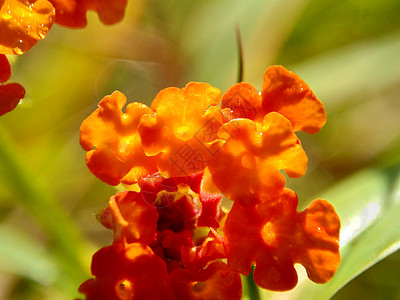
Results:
273 236
134 220
11 93
127 272
72 13
209 249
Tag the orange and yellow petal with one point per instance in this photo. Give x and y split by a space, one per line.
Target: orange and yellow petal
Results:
321 227
185 124
135 220
243 100
11 93
217 281
286 93
72 13
250 161
113 144
23 23
277 236
127 272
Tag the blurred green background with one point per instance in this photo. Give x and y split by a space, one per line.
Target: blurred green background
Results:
347 51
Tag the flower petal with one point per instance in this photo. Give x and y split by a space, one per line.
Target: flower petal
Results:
10 94
135 221
321 225
217 281
249 162
210 213
243 100
72 13
185 123
113 144
286 93
210 249
23 23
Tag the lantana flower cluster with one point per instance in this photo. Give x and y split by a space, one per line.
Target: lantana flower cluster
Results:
204 197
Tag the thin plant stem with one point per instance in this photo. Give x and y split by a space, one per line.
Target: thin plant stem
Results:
240 53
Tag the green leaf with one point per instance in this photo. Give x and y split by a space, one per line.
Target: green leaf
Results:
21 255
68 244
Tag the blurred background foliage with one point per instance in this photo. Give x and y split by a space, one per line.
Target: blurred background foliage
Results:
347 51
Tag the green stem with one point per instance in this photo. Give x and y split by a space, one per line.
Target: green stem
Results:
252 289
67 243
240 52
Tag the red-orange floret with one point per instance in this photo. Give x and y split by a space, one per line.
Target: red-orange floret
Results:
243 100
113 144
249 162
283 92
276 236
11 93
216 282
127 272
207 250
185 124
134 219
72 13
286 93
23 23
150 186
210 212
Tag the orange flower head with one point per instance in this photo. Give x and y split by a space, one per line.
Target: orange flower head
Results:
183 128
127 272
72 13
11 93
275 237
23 23
185 153
113 144
283 92
249 162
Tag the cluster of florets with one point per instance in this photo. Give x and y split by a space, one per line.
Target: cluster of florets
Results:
205 199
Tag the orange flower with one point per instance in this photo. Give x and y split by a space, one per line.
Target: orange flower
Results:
283 92
127 272
23 23
181 131
208 250
249 162
134 220
11 93
72 13
216 281
273 236
113 144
